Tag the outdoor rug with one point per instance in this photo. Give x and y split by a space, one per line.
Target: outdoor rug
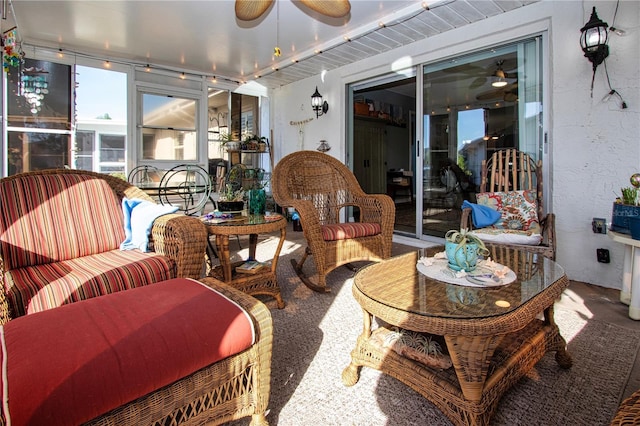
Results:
315 333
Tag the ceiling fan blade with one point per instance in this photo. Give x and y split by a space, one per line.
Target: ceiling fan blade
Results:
248 10
333 9
468 69
490 95
477 82
510 96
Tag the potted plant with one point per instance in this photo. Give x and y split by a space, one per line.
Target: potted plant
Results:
256 143
263 144
228 142
626 208
462 249
231 200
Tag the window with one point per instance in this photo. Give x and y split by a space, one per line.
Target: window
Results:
101 120
85 141
112 153
168 126
39 117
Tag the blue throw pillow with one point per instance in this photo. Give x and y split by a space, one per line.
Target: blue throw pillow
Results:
138 220
482 215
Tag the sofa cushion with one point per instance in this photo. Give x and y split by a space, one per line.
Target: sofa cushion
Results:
344 231
519 209
48 218
37 288
507 236
71 364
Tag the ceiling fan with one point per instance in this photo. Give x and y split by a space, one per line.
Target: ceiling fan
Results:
508 93
494 72
248 10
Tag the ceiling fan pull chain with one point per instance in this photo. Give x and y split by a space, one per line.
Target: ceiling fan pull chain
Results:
276 50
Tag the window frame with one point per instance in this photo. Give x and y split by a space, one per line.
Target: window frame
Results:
196 97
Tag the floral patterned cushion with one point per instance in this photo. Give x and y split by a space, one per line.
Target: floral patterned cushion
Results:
519 209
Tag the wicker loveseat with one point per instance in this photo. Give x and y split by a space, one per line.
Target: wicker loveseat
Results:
60 233
175 352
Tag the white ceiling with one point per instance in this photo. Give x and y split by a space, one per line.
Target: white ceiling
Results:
205 38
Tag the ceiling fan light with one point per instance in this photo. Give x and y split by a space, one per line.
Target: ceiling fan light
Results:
499 82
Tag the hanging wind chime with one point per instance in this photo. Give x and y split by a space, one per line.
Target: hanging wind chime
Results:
32 81
33 86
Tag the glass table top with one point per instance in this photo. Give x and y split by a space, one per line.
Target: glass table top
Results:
397 283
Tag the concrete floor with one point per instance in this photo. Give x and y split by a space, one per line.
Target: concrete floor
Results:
592 301
604 305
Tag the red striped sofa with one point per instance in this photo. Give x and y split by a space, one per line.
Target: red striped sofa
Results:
60 233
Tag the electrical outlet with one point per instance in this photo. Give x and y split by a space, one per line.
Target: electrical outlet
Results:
599 225
603 255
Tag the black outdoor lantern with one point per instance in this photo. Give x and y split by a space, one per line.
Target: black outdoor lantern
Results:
593 40
318 106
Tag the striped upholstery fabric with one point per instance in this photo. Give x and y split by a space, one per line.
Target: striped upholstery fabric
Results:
59 242
344 231
38 288
49 218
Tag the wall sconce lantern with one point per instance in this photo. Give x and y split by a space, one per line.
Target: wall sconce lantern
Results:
318 106
593 40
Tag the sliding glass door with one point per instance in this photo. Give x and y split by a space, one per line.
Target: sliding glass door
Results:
472 106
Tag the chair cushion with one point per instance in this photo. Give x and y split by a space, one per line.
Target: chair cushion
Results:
37 288
519 209
48 218
344 231
71 364
507 236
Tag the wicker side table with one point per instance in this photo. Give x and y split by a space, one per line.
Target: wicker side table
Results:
264 281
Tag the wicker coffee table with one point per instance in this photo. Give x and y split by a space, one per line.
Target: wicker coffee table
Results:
493 335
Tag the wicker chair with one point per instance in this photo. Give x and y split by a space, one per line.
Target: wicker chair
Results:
321 188
512 170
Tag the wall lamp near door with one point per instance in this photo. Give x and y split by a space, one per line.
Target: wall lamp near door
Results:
593 40
318 106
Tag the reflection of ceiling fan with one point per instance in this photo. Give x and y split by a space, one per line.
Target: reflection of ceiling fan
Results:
494 72
248 10
508 93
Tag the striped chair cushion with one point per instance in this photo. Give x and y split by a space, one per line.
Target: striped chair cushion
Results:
72 364
41 287
49 218
344 231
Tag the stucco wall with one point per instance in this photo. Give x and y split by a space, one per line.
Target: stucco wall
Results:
594 145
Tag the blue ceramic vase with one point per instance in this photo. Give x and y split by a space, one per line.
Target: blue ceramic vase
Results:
460 258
